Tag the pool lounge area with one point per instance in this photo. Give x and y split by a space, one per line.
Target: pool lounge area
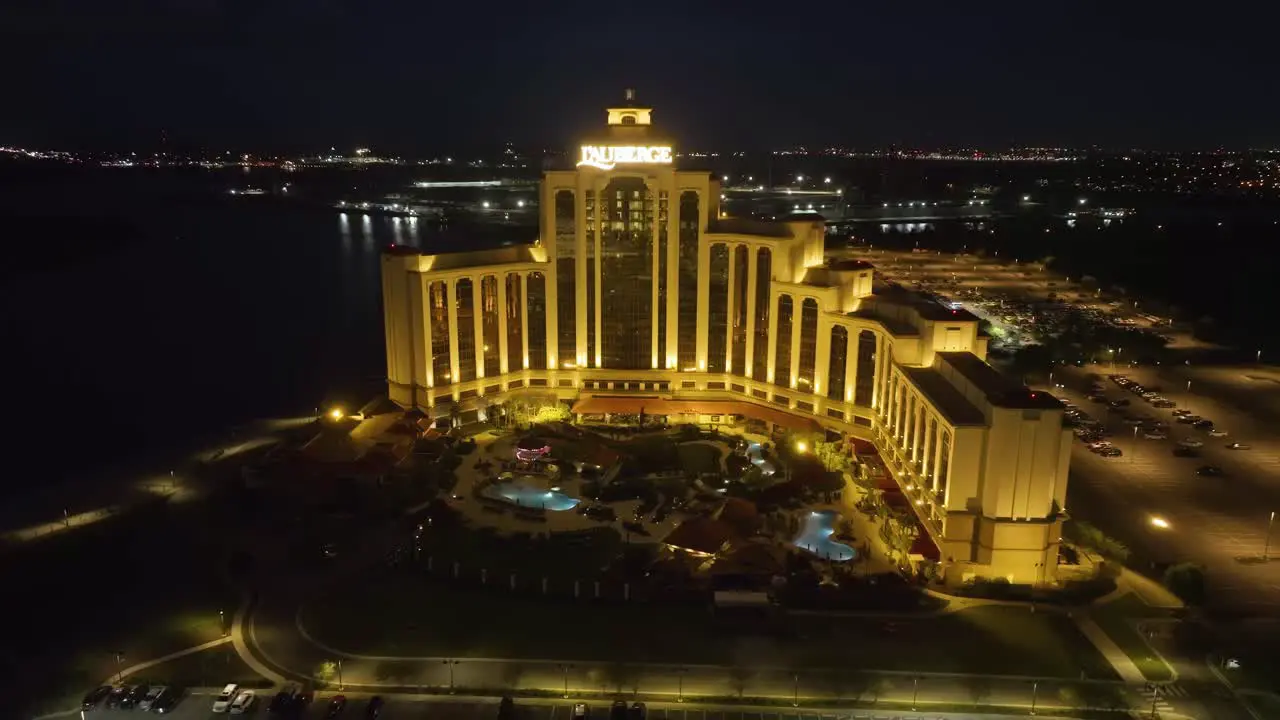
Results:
815 537
522 493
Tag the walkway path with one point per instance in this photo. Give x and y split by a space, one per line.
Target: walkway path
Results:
132 669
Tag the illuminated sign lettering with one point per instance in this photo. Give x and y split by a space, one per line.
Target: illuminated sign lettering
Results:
608 157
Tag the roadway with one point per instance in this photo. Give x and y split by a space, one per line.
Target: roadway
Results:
197 707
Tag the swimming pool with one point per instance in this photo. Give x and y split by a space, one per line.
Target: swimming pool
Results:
755 454
815 537
524 494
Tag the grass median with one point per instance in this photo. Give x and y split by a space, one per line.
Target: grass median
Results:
404 615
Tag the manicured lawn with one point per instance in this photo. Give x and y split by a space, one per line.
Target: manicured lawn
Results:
414 617
208 668
700 457
146 583
1117 618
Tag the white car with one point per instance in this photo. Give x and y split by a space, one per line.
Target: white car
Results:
225 698
150 699
1154 435
243 702
1191 443
1217 432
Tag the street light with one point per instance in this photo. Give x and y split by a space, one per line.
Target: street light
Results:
339 673
1035 685
1266 546
1135 443
451 663
1159 522
222 623
336 413
915 692
802 447
795 690
680 684
565 669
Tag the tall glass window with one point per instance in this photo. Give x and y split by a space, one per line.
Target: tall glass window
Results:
515 323
944 460
808 344
740 310
760 354
663 214
566 278
466 330
438 296
687 309
782 366
590 264
538 321
864 381
718 309
626 276
930 444
489 325
837 363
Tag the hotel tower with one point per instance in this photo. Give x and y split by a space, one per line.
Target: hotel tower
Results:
639 293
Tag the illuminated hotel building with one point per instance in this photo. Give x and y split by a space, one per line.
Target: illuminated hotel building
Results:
639 295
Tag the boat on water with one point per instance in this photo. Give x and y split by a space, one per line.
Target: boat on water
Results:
381 208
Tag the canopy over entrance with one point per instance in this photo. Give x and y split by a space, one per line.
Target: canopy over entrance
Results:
675 409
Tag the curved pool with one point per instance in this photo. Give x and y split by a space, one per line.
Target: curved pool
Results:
815 537
523 494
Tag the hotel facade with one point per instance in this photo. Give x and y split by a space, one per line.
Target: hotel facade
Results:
638 294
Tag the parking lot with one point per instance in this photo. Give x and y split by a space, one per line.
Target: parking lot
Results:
1164 509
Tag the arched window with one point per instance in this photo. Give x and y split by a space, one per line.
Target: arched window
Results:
837 362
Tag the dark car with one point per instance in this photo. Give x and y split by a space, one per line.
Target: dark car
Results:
1210 471
618 711
166 701
280 703
1203 424
1122 402
507 709
300 701
95 696
638 711
1184 451
374 708
117 696
336 706
134 696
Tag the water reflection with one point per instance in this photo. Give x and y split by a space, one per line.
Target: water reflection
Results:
905 227
344 228
397 231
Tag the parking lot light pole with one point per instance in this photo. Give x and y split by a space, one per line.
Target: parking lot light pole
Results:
451 663
1035 685
795 690
915 692
339 673
1266 545
222 623
564 668
680 684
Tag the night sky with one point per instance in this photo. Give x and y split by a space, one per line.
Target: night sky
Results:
424 76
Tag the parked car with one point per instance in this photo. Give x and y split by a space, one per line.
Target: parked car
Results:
1184 451
1154 435
618 711
374 708
1217 432
336 706
223 702
134 696
280 703
150 700
638 711
1191 443
507 708
580 712
95 696
243 702
1237 446
167 701
117 696
1210 471
1111 452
